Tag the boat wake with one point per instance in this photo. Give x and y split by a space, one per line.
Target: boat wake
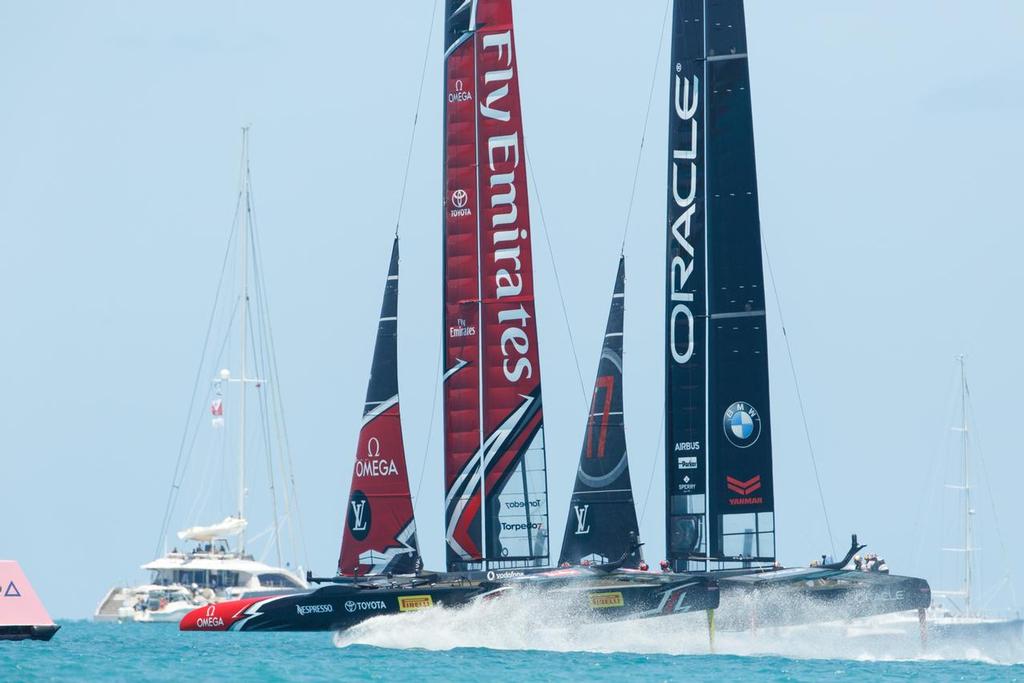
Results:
536 622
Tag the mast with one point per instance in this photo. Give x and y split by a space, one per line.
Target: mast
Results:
719 488
965 486
495 467
243 234
968 512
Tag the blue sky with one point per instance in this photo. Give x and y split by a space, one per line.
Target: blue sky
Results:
888 149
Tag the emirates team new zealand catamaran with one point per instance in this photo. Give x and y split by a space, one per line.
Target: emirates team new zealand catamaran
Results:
496 507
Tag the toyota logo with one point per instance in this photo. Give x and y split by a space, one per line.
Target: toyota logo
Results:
459 198
350 606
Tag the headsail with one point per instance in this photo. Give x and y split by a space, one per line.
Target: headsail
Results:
495 477
602 515
718 437
380 531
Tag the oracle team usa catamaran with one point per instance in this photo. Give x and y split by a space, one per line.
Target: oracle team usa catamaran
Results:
719 488
720 507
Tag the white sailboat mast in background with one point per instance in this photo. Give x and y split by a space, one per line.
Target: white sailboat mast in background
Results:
968 512
244 227
212 571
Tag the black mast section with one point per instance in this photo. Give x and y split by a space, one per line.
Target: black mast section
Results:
719 496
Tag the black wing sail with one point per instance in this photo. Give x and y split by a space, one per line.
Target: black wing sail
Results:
718 439
685 298
741 498
602 516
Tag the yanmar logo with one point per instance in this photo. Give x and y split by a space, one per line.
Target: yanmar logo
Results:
603 600
744 488
410 603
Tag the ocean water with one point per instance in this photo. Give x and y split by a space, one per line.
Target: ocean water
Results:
521 641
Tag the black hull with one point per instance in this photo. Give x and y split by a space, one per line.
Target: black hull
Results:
616 595
781 599
329 608
44 632
339 606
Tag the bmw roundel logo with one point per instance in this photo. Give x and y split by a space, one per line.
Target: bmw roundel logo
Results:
742 424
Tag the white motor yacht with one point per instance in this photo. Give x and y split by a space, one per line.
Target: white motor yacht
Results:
182 581
211 569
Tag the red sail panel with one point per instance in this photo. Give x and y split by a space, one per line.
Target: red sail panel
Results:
461 328
380 531
515 484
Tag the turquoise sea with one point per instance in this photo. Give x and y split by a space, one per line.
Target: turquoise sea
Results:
88 651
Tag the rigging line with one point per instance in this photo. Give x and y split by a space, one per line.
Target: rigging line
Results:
175 484
935 473
430 425
261 364
195 427
799 397
991 499
277 405
416 117
647 118
654 465
258 348
281 419
558 282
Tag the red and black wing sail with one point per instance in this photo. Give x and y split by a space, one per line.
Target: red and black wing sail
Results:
495 471
719 500
380 530
602 515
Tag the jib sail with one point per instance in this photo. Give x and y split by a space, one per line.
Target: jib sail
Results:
718 435
602 524
496 509
380 531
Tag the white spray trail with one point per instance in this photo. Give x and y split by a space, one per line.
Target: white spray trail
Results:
539 622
